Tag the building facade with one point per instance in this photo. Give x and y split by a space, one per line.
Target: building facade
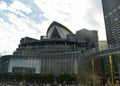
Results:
111 9
103 45
56 53
87 38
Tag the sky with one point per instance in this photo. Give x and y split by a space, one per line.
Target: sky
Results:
31 18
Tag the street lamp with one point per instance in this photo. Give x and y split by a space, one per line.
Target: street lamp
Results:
111 69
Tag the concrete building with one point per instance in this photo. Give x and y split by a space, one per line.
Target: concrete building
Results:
111 9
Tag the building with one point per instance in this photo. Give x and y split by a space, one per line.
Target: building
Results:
56 53
87 38
102 45
0 66
111 9
4 63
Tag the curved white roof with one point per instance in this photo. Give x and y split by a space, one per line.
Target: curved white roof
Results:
57 31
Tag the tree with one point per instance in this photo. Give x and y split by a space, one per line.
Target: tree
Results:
64 77
50 78
18 76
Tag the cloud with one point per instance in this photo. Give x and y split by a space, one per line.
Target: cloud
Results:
12 33
17 5
3 5
20 18
94 18
18 26
74 14
6 38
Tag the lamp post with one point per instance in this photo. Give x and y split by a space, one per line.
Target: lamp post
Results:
92 66
93 72
111 69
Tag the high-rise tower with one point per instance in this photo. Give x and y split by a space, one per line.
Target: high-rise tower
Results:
111 9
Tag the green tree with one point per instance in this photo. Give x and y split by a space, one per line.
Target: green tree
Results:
26 77
18 76
50 78
64 77
36 77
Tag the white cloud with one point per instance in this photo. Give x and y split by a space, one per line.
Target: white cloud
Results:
74 14
12 33
6 38
17 5
24 26
3 5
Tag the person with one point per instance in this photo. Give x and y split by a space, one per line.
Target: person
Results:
108 83
4 84
117 83
20 84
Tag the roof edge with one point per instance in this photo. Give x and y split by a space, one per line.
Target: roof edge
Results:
56 23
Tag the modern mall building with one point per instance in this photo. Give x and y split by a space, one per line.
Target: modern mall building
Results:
56 53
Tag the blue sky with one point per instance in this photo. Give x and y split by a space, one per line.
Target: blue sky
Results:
20 18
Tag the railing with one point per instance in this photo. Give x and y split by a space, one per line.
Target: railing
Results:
95 53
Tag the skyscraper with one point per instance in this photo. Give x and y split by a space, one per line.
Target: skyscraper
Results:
111 9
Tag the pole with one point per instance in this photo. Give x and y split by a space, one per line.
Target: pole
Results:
93 72
92 66
111 69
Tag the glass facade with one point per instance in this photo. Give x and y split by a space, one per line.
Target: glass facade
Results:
57 54
55 63
22 64
45 57
99 68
